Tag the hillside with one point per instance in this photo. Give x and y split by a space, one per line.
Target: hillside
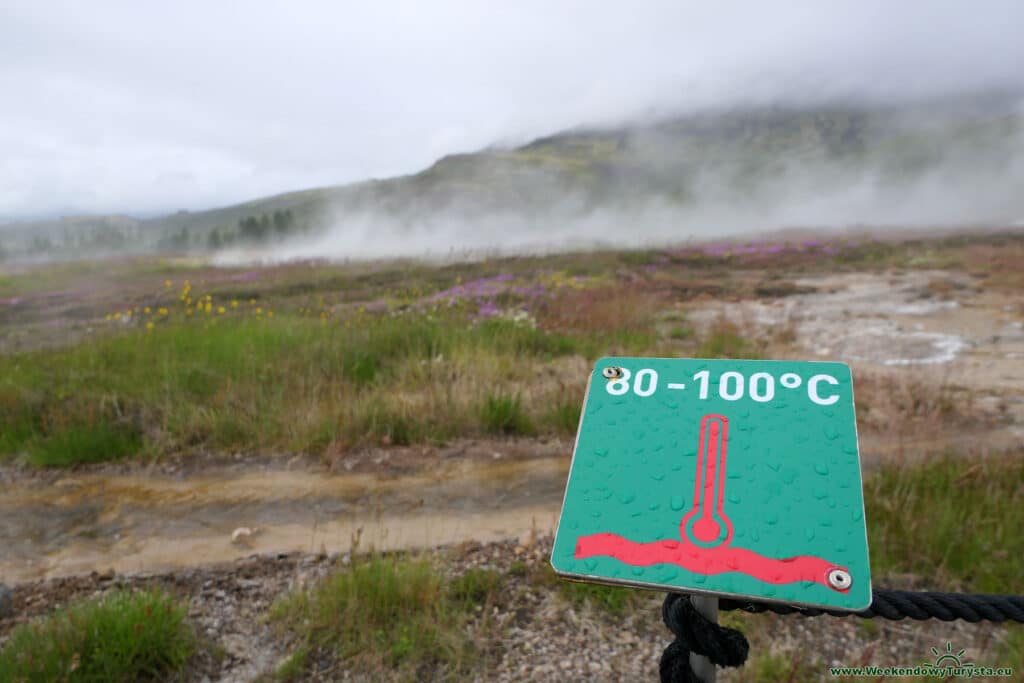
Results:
953 161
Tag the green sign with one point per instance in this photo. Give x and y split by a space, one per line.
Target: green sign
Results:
726 477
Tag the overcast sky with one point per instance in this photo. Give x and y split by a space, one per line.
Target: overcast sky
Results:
146 107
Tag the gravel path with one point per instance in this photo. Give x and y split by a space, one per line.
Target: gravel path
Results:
542 636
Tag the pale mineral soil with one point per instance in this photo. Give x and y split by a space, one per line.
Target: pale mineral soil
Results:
943 334
939 333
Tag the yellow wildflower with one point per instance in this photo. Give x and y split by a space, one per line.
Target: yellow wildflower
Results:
146 310
220 310
208 307
117 316
168 284
188 311
149 325
162 311
234 304
259 311
252 302
270 314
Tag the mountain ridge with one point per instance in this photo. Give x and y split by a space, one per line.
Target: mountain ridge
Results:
732 157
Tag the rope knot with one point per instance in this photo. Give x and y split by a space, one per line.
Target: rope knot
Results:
693 633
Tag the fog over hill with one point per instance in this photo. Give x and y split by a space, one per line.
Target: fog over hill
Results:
938 162
396 127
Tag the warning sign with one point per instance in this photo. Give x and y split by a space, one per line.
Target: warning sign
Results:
734 478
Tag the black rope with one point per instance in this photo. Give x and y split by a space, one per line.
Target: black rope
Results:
728 647
896 605
694 633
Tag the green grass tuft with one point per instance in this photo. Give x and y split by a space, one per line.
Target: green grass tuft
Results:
1011 651
120 637
387 613
283 383
392 425
563 416
504 414
725 341
475 587
85 443
681 333
771 667
611 599
954 521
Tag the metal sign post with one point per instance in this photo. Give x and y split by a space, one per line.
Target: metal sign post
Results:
702 666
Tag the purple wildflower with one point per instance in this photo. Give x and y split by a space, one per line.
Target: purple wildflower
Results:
488 310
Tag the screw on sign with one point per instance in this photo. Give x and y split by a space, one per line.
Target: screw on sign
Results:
721 478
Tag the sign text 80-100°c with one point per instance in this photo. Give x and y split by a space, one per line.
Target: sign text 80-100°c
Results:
730 385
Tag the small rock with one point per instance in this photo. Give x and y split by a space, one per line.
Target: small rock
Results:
241 536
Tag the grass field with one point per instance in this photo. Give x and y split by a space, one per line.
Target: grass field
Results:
325 358
293 383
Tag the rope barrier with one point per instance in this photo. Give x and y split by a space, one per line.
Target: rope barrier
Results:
896 605
728 647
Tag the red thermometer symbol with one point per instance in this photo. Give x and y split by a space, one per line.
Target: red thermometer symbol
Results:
706 523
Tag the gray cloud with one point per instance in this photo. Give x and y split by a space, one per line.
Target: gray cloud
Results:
150 107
